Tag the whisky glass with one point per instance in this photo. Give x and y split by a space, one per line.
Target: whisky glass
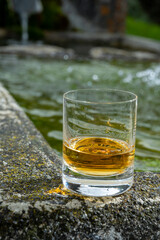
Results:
99 128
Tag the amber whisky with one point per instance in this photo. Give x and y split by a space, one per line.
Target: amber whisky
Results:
98 156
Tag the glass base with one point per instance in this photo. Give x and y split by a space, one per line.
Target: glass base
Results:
97 187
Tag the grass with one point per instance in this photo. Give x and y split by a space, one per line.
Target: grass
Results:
142 29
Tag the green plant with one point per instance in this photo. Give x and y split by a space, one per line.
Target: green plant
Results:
53 17
142 28
135 10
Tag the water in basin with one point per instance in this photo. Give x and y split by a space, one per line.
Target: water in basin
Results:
38 86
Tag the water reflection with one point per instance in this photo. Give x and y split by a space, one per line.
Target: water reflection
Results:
38 85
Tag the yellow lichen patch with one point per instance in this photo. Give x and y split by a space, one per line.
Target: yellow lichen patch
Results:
14 137
61 190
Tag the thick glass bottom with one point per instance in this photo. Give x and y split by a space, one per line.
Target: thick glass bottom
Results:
97 188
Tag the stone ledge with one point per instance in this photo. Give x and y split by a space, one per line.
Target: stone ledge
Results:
34 205
122 41
127 55
40 51
90 45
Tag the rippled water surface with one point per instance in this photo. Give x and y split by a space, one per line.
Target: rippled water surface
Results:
38 86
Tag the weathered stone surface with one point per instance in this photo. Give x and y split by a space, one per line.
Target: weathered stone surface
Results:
105 40
141 44
26 161
93 15
111 46
42 51
71 38
114 53
34 204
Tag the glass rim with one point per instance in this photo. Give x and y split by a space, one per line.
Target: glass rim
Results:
134 96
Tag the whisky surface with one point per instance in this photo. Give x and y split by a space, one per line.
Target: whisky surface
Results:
98 156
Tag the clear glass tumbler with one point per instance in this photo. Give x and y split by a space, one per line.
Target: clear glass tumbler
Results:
99 128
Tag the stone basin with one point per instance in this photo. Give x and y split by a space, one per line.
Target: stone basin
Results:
75 45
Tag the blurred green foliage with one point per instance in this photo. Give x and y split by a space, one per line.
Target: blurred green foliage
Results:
146 10
152 8
52 17
139 21
136 11
142 28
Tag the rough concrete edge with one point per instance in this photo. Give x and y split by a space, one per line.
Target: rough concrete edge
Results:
12 105
10 101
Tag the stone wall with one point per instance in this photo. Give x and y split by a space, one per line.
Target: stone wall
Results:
96 15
